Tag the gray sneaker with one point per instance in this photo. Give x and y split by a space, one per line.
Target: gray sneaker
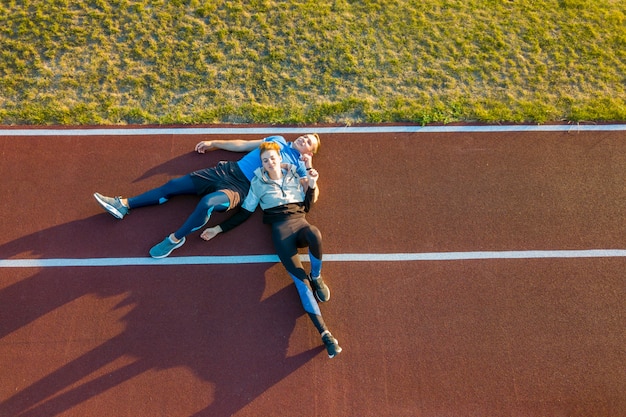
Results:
166 247
321 290
332 344
112 205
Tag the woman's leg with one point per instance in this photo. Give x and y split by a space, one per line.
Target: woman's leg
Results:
311 237
287 239
287 250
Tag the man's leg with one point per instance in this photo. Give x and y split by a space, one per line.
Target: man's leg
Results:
119 207
159 195
202 213
217 201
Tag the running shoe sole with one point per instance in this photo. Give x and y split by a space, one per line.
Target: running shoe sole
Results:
109 208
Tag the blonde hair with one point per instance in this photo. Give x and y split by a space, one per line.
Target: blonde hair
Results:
319 142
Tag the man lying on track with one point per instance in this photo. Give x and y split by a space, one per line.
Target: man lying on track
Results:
222 187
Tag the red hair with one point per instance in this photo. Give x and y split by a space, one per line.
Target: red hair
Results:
269 146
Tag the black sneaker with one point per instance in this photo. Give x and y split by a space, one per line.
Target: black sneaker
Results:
332 344
321 290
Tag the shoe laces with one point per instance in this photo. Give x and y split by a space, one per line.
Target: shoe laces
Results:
317 283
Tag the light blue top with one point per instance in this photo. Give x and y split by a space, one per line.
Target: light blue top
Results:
252 160
270 193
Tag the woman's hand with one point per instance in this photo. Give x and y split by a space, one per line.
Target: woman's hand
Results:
211 232
312 176
205 145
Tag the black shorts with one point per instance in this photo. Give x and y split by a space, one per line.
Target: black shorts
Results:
225 177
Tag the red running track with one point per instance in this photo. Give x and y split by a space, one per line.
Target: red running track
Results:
490 337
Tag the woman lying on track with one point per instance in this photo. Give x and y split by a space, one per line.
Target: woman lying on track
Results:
285 198
221 187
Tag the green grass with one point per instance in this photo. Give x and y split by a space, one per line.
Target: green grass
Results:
305 62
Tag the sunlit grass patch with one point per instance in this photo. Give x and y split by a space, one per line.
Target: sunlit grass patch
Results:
293 61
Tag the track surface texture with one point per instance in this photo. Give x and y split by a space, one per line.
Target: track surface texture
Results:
497 336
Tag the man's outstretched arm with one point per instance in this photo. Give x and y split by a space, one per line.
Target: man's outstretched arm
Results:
237 145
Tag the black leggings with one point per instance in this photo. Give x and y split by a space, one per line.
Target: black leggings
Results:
288 236
294 233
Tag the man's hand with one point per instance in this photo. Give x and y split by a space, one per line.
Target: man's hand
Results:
308 160
211 232
205 145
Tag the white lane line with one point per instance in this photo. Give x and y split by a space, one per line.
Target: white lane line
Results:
344 257
117 131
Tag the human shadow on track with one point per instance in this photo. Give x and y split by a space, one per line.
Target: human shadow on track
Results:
210 319
186 163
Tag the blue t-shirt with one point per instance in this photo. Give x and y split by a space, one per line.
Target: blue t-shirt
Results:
252 160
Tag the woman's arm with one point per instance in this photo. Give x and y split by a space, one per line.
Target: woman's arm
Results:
237 145
312 190
211 232
235 220
244 212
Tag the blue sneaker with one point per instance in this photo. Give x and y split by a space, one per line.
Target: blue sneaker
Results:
332 344
166 247
113 205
